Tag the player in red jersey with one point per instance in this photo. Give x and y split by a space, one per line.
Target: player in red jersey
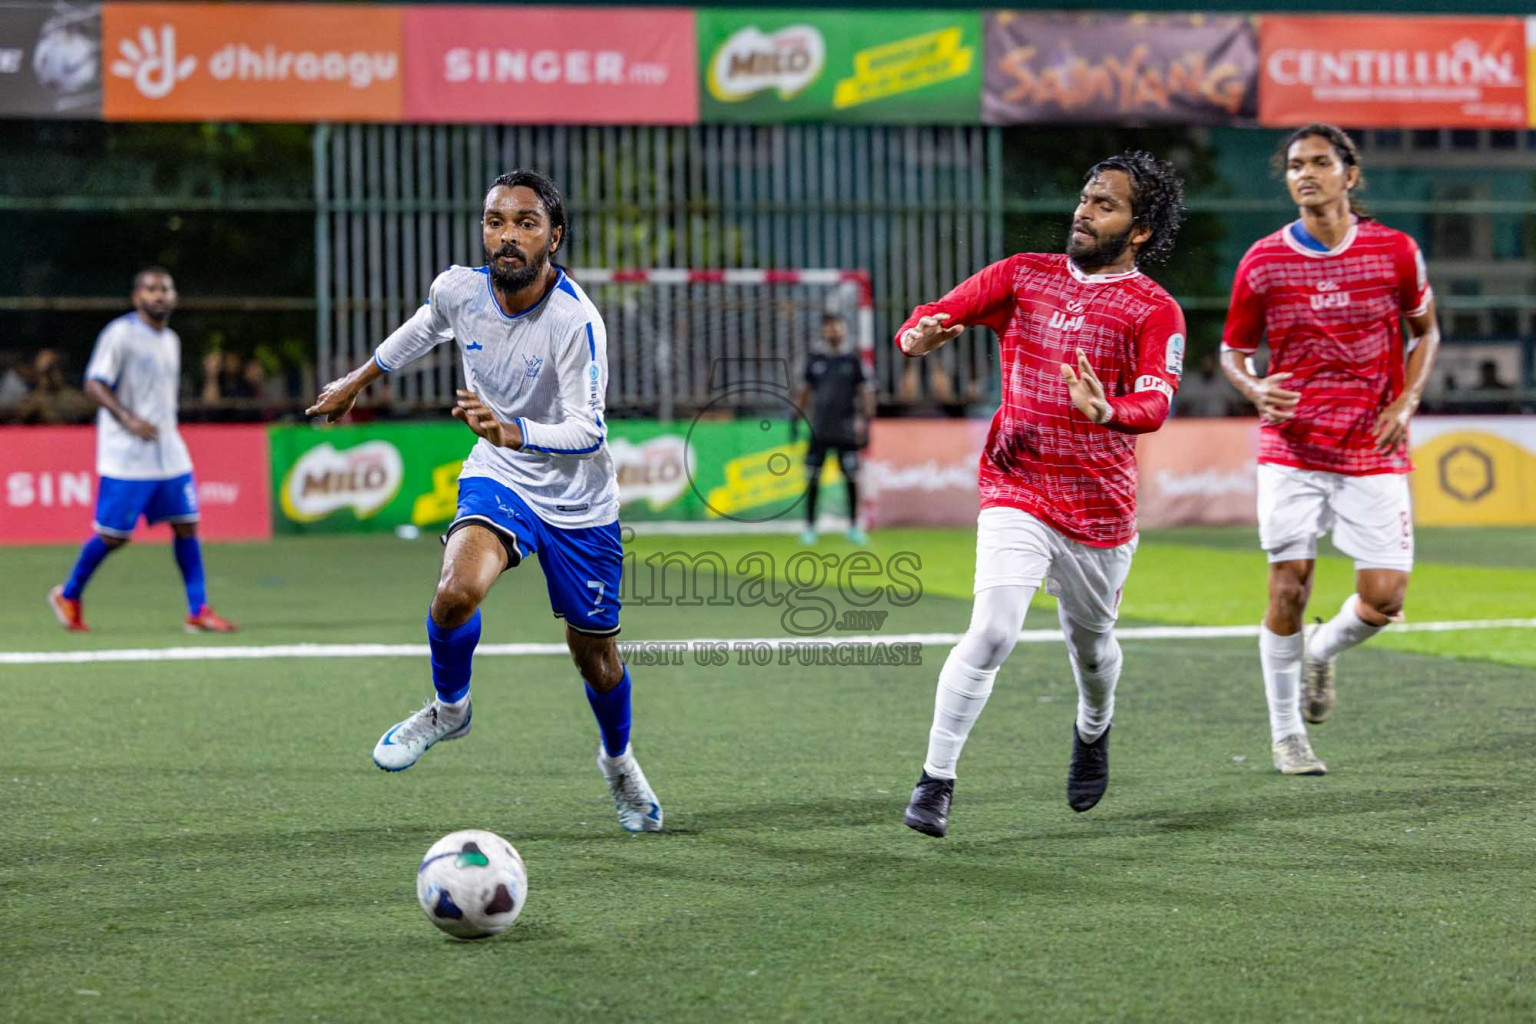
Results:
1091 354
1329 292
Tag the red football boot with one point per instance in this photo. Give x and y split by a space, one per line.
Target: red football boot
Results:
68 612
208 621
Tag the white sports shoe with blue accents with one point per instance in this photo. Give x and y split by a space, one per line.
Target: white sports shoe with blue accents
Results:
406 741
633 798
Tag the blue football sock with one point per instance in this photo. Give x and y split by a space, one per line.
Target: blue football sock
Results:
91 555
452 652
189 556
612 711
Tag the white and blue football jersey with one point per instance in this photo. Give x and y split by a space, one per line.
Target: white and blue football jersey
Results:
546 369
142 366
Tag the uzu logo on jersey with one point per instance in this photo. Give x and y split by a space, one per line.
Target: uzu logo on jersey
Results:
1070 320
1328 296
534 364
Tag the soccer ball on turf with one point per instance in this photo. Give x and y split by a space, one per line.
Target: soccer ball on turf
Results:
472 884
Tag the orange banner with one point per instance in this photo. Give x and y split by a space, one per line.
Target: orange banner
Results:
251 62
1392 72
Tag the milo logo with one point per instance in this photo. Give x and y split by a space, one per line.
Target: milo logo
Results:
750 61
325 480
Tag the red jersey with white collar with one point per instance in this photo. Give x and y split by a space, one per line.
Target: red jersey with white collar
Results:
1333 320
1041 454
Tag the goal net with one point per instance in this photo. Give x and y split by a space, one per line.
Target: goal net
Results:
681 341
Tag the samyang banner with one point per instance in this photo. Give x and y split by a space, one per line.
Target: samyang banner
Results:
1120 68
50 60
1386 72
763 67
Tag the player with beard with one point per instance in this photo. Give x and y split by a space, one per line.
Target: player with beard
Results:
1091 354
539 480
145 471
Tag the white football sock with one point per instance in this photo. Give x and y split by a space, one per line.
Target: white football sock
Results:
963 692
965 682
1343 631
1096 685
456 708
1280 657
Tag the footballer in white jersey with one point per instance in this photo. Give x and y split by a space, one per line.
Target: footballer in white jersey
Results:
539 479
142 465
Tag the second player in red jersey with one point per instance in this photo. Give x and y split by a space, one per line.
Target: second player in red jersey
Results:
1329 293
1332 319
1091 352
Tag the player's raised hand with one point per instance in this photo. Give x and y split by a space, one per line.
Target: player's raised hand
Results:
1391 427
1086 389
484 422
335 401
928 334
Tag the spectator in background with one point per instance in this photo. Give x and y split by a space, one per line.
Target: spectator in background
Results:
1204 392
51 400
14 384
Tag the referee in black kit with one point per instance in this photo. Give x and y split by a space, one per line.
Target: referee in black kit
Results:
837 398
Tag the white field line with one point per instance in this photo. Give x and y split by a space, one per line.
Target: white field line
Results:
1028 636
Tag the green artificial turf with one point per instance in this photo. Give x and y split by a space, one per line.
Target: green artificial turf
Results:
209 840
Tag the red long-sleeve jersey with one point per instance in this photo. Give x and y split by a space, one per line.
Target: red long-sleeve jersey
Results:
1041 454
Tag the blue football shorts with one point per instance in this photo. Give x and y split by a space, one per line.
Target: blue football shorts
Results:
583 566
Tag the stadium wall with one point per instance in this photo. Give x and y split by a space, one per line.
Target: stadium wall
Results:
254 481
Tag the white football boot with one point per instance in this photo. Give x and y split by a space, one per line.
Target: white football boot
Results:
406 741
1318 692
1293 756
633 798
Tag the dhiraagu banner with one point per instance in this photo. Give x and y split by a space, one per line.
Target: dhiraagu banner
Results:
816 65
388 475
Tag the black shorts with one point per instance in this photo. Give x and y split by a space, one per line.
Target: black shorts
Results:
847 454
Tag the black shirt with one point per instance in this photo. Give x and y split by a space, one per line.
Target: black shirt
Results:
835 379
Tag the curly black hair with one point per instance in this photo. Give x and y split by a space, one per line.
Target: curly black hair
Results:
1157 199
1344 146
548 192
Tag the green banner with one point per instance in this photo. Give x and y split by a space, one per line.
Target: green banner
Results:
387 475
904 66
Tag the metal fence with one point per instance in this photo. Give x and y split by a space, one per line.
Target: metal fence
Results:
917 208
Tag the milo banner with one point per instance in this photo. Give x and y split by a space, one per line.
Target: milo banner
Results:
818 65
1120 68
385 476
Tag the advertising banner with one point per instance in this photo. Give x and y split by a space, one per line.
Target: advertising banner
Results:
1393 72
819 65
1474 471
48 476
1119 68
251 62
1530 70
551 65
920 472
50 61
384 476
1198 472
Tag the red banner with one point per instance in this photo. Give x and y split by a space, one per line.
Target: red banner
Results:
1198 472
48 484
551 65
923 472
1393 72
